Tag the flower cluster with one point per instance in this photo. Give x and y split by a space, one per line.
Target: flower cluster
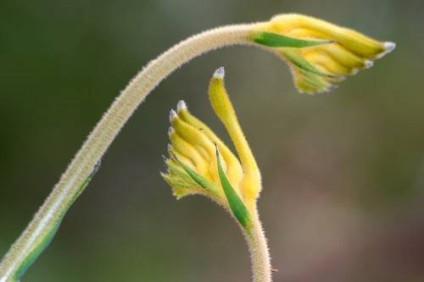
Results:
200 163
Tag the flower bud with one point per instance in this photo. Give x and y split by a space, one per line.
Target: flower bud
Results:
320 54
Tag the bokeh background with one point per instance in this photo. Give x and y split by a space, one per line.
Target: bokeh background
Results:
343 173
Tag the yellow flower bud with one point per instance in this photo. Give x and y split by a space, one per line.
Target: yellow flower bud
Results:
317 67
200 163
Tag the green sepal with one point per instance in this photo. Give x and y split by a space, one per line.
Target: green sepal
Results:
175 170
174 181
239 209
303 64
180 188
200 180
271 39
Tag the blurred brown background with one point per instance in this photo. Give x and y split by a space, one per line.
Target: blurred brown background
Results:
343 173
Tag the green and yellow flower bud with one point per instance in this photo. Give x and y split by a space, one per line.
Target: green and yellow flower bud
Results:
324 53
200 163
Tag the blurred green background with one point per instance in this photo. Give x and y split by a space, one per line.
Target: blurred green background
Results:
343 173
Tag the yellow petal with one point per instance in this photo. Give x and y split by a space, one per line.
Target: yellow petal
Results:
251 182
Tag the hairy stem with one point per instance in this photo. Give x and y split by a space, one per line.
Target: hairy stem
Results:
259 252
45 222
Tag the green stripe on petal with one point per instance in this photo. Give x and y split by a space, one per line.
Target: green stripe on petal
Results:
200 180
276 40
237 206
303 64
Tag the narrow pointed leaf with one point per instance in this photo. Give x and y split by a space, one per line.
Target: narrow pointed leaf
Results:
304 64
276 40
174 169
200 180
50 231
237 206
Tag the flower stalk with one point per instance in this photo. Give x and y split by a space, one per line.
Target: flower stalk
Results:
312 73
259 252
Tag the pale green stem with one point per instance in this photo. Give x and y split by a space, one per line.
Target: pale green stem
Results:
34 238
259 251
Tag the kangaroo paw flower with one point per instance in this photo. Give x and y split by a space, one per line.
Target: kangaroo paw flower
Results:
200 163
320 54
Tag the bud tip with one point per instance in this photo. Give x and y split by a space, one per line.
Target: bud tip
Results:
368 64
181 105
171 131
172 115
389 46
219 73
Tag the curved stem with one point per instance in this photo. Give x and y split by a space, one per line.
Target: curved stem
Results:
259 252
42 227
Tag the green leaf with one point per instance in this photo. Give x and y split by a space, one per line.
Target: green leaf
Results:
200 180
37 251
50 231
276 40
176 171
237 206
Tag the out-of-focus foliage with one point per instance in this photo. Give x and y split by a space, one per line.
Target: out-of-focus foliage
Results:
343 173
